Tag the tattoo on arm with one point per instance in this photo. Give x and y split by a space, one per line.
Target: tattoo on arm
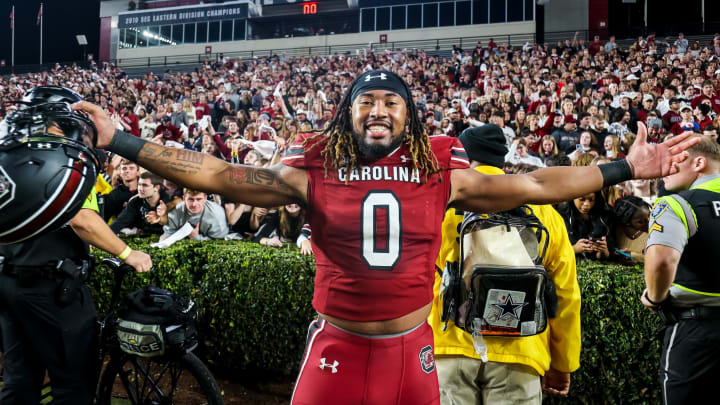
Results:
260 177
179 160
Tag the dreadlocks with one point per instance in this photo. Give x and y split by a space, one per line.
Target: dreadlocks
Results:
342 150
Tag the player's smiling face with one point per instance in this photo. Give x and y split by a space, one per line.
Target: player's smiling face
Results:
378 118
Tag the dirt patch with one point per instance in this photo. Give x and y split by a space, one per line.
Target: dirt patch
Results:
256 394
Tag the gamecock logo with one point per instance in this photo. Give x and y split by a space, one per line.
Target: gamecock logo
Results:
427 359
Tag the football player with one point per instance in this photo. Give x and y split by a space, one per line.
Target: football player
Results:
376 188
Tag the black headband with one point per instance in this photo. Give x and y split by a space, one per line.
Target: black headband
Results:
379 80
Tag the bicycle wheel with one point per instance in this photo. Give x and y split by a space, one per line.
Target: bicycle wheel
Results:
157 381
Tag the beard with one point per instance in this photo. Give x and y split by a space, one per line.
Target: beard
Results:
374 152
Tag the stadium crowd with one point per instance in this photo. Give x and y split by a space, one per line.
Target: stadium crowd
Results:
569 103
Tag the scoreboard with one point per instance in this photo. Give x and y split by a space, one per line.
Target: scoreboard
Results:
307 8
310 8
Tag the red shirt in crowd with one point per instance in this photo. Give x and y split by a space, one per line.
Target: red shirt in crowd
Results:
705 123
201 110
132 120
714 99
671 118
168 132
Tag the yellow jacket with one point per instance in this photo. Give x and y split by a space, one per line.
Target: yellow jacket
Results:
102 186
559 345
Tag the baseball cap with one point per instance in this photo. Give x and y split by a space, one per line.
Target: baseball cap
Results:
298 112
685 107
674 100
451 110
632 77
570 119
648 97
264 116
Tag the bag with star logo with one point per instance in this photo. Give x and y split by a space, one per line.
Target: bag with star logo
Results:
500 287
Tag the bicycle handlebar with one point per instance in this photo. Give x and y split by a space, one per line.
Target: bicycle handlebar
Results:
119 269
117 265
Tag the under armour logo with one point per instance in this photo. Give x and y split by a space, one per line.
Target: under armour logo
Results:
43 145
382 76
404 158
332 366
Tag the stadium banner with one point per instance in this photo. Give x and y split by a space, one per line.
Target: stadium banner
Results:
183 15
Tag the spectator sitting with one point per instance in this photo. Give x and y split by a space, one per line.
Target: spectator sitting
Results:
287 224
130 122
518 153
178 118
560 159
115 201
611 145
548 148
711 131
568 137
631 228
147 125
206 217
687 122
646 189
587 221
620 127
584 146
167 130
150 195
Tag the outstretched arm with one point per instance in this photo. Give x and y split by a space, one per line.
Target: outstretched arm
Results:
267 187
476 192
473 191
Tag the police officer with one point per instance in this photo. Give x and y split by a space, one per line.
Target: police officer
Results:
683 281
47 316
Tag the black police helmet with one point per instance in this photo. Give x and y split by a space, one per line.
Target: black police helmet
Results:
48 165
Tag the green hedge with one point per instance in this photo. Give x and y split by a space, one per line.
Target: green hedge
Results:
255 306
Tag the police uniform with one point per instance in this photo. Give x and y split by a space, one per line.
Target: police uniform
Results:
41 332
690 223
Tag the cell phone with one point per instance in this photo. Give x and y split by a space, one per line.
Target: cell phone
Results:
618 251
578 147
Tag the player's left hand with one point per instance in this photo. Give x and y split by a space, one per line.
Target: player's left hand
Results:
652 161
556 382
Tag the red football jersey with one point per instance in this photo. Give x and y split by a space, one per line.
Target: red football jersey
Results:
376 231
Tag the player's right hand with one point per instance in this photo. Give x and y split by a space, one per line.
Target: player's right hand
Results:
103 123
140 261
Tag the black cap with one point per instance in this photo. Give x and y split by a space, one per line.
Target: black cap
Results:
485 144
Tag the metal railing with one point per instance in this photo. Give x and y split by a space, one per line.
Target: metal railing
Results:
427 45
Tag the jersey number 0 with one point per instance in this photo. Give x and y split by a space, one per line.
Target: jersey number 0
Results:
382 230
